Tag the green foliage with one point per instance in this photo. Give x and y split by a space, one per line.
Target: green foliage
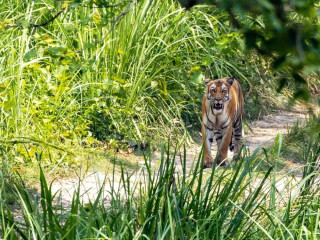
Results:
217 204
75 71
130 71
299 138
287 33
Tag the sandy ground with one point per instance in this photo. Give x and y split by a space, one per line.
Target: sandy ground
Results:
263 132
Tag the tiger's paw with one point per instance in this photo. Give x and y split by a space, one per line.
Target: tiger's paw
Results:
223 161
208 162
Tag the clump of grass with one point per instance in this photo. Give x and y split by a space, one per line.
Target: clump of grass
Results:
229 203
299 138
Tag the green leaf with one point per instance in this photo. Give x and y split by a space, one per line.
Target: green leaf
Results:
118 79
198 77
89 45
25 24
85 21
8 105
29 55
207 61
55 51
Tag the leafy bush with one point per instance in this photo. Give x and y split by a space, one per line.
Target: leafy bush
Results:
129 73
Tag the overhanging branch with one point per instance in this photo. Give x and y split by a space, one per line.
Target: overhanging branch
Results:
34 25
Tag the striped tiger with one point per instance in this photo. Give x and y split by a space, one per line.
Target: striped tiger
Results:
222 110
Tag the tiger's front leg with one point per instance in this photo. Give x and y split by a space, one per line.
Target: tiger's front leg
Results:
223 146
207 139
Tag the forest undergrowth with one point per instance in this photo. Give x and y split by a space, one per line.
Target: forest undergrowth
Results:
79 81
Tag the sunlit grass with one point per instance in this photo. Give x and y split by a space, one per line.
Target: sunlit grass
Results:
78 79
233 203
139 78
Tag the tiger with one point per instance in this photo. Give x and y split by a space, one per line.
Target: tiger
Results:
222 111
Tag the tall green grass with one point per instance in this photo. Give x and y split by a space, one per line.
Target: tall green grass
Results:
91 73
299 137
229 203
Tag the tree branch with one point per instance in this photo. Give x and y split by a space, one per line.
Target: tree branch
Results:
49 21
33 25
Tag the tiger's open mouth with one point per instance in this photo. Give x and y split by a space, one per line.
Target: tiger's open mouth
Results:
218 106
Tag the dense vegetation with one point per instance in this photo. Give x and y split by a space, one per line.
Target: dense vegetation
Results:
220 204
93 73
78 76
287 32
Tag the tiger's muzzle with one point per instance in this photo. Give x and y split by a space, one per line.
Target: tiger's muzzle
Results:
218 105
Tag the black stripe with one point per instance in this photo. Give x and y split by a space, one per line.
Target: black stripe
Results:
208 117
237 121
219 138
237 129
224 127
225 121
237 124
235 116
211 129
212 110
208 92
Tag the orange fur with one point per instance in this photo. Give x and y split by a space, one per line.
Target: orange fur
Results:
222 110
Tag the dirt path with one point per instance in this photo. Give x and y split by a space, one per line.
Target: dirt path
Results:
263 132
266 129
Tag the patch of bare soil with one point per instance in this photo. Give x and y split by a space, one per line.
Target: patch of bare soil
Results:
266 129
262 133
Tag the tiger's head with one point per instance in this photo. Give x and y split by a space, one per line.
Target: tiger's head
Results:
218 92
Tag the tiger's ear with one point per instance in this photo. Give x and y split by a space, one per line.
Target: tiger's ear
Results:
230 81
206 81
